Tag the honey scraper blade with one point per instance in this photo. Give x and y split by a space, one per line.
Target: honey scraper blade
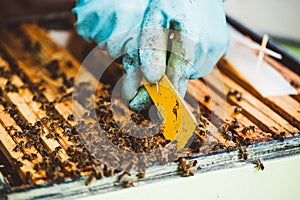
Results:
178 121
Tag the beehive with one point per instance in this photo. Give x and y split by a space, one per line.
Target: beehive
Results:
43 141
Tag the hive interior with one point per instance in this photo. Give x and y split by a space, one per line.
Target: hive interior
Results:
55 126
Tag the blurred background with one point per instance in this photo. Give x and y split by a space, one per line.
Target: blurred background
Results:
280 19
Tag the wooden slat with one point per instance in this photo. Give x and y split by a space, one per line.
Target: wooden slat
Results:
35 106
216 104
29 115
288 74
7 121
255 110
36 73
50 144
201 90
7 145
260 106
285 106
48 51
215 135
51 93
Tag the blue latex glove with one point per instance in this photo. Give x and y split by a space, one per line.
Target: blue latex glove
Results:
200 39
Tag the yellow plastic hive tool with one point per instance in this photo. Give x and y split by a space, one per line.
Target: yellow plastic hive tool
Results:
178 121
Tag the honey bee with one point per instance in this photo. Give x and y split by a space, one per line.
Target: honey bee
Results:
258 164
127 183
29 178
232 92
141 175
186 168
245 130
207 98
239 96
235 123
243 153
69 64
89 180
237 109
71 117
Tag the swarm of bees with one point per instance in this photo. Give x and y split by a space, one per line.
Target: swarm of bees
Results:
99 150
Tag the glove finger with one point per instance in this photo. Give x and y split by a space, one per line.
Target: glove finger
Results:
178 65
132 77
139 98
141 101
153 43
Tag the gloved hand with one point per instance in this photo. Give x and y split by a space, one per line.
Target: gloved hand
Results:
199 38
114 25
